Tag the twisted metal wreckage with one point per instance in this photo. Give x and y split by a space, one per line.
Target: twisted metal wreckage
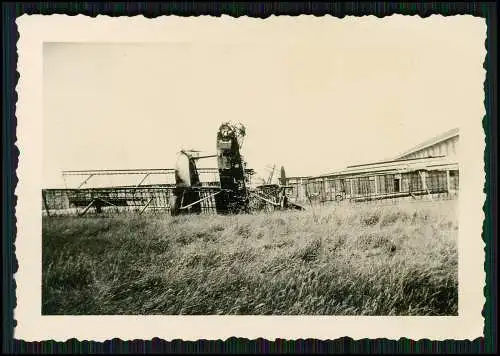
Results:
226 191
234 195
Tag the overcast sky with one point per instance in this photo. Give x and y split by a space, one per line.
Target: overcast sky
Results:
356 93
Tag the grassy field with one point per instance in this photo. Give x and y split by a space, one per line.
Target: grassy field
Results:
349 260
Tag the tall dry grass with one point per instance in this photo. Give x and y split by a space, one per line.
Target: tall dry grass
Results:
349 260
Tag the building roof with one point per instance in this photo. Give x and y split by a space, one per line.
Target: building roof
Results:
401 165
431 142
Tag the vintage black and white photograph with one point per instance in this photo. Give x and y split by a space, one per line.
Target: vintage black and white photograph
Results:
315 170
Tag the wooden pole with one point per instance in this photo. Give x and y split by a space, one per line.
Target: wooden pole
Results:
143 179
447 180
85 181
45 203
145 206
325 187
266 200
200 200
106 202
87 207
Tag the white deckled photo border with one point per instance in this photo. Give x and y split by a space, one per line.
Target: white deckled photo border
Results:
34 30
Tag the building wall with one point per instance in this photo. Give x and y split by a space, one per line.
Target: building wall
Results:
417 177
447 147
382 185
378 185
298 191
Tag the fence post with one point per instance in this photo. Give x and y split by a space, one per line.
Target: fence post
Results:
447 182
45 203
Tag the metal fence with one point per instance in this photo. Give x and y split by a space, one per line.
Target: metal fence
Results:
80 202
380 186
388 187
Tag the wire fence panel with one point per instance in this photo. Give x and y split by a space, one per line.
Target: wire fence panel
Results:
389 187
116 200
415 185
